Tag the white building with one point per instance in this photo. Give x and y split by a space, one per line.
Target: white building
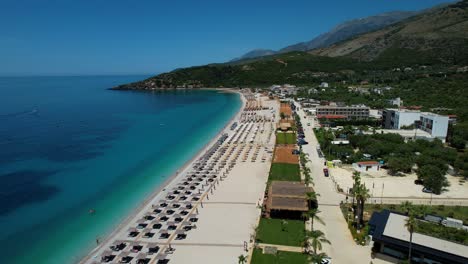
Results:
407 134
374 113
364 166
324 85
312 91
434 124
397 101
397 118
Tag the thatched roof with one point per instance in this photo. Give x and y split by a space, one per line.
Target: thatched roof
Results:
289 189
291 204
285 195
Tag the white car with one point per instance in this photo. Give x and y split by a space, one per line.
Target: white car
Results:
326 261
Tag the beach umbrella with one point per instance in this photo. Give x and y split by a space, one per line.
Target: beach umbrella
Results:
152 245
141 255
116 242
161 256
132 244
170 223
155 221
162 214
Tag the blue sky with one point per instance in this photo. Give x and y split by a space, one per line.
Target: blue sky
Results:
60 37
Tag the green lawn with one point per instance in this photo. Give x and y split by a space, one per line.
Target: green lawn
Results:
270 231
284 172
458 212
282 257
286 138
442 232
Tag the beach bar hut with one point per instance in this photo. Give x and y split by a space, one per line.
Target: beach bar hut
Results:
287 199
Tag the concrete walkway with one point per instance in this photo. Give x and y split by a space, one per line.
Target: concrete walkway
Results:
281 247
343 249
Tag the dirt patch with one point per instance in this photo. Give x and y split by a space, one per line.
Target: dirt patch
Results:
286 109
283 154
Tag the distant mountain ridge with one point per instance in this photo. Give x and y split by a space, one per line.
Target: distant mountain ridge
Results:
255 54
436 38
436 35
339 33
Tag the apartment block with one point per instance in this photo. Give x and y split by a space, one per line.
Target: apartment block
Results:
357 111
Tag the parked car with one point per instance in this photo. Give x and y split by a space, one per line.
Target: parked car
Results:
326 260
427 190
325 172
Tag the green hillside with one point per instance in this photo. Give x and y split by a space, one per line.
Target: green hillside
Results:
438 38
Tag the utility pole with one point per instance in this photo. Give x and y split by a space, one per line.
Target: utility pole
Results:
381 195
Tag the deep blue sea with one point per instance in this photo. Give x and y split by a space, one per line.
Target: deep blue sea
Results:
68 145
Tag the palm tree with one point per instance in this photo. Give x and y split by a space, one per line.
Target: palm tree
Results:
362 194
317 258
312 196
312 214
306 245
242 259
410 224
317 237
422 210
307 178
407 207
357 182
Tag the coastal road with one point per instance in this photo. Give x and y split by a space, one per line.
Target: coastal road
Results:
343 249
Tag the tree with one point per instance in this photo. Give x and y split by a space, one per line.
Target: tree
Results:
362 194
410 225
407 207
422 210
312 214
312 197
433 178
317 258
242 259
317 237
284 223
458 142
357 182
461 164
399 164
306 245
283 115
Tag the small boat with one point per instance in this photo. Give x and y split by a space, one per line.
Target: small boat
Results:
92 211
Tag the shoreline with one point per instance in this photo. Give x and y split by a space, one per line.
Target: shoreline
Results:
170 181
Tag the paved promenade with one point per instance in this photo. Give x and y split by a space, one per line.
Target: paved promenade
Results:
343 249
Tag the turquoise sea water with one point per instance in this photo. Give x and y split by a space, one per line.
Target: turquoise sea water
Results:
68 145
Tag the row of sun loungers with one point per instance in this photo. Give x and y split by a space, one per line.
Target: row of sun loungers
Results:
174 216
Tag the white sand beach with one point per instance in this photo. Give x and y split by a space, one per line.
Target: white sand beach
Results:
208 211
